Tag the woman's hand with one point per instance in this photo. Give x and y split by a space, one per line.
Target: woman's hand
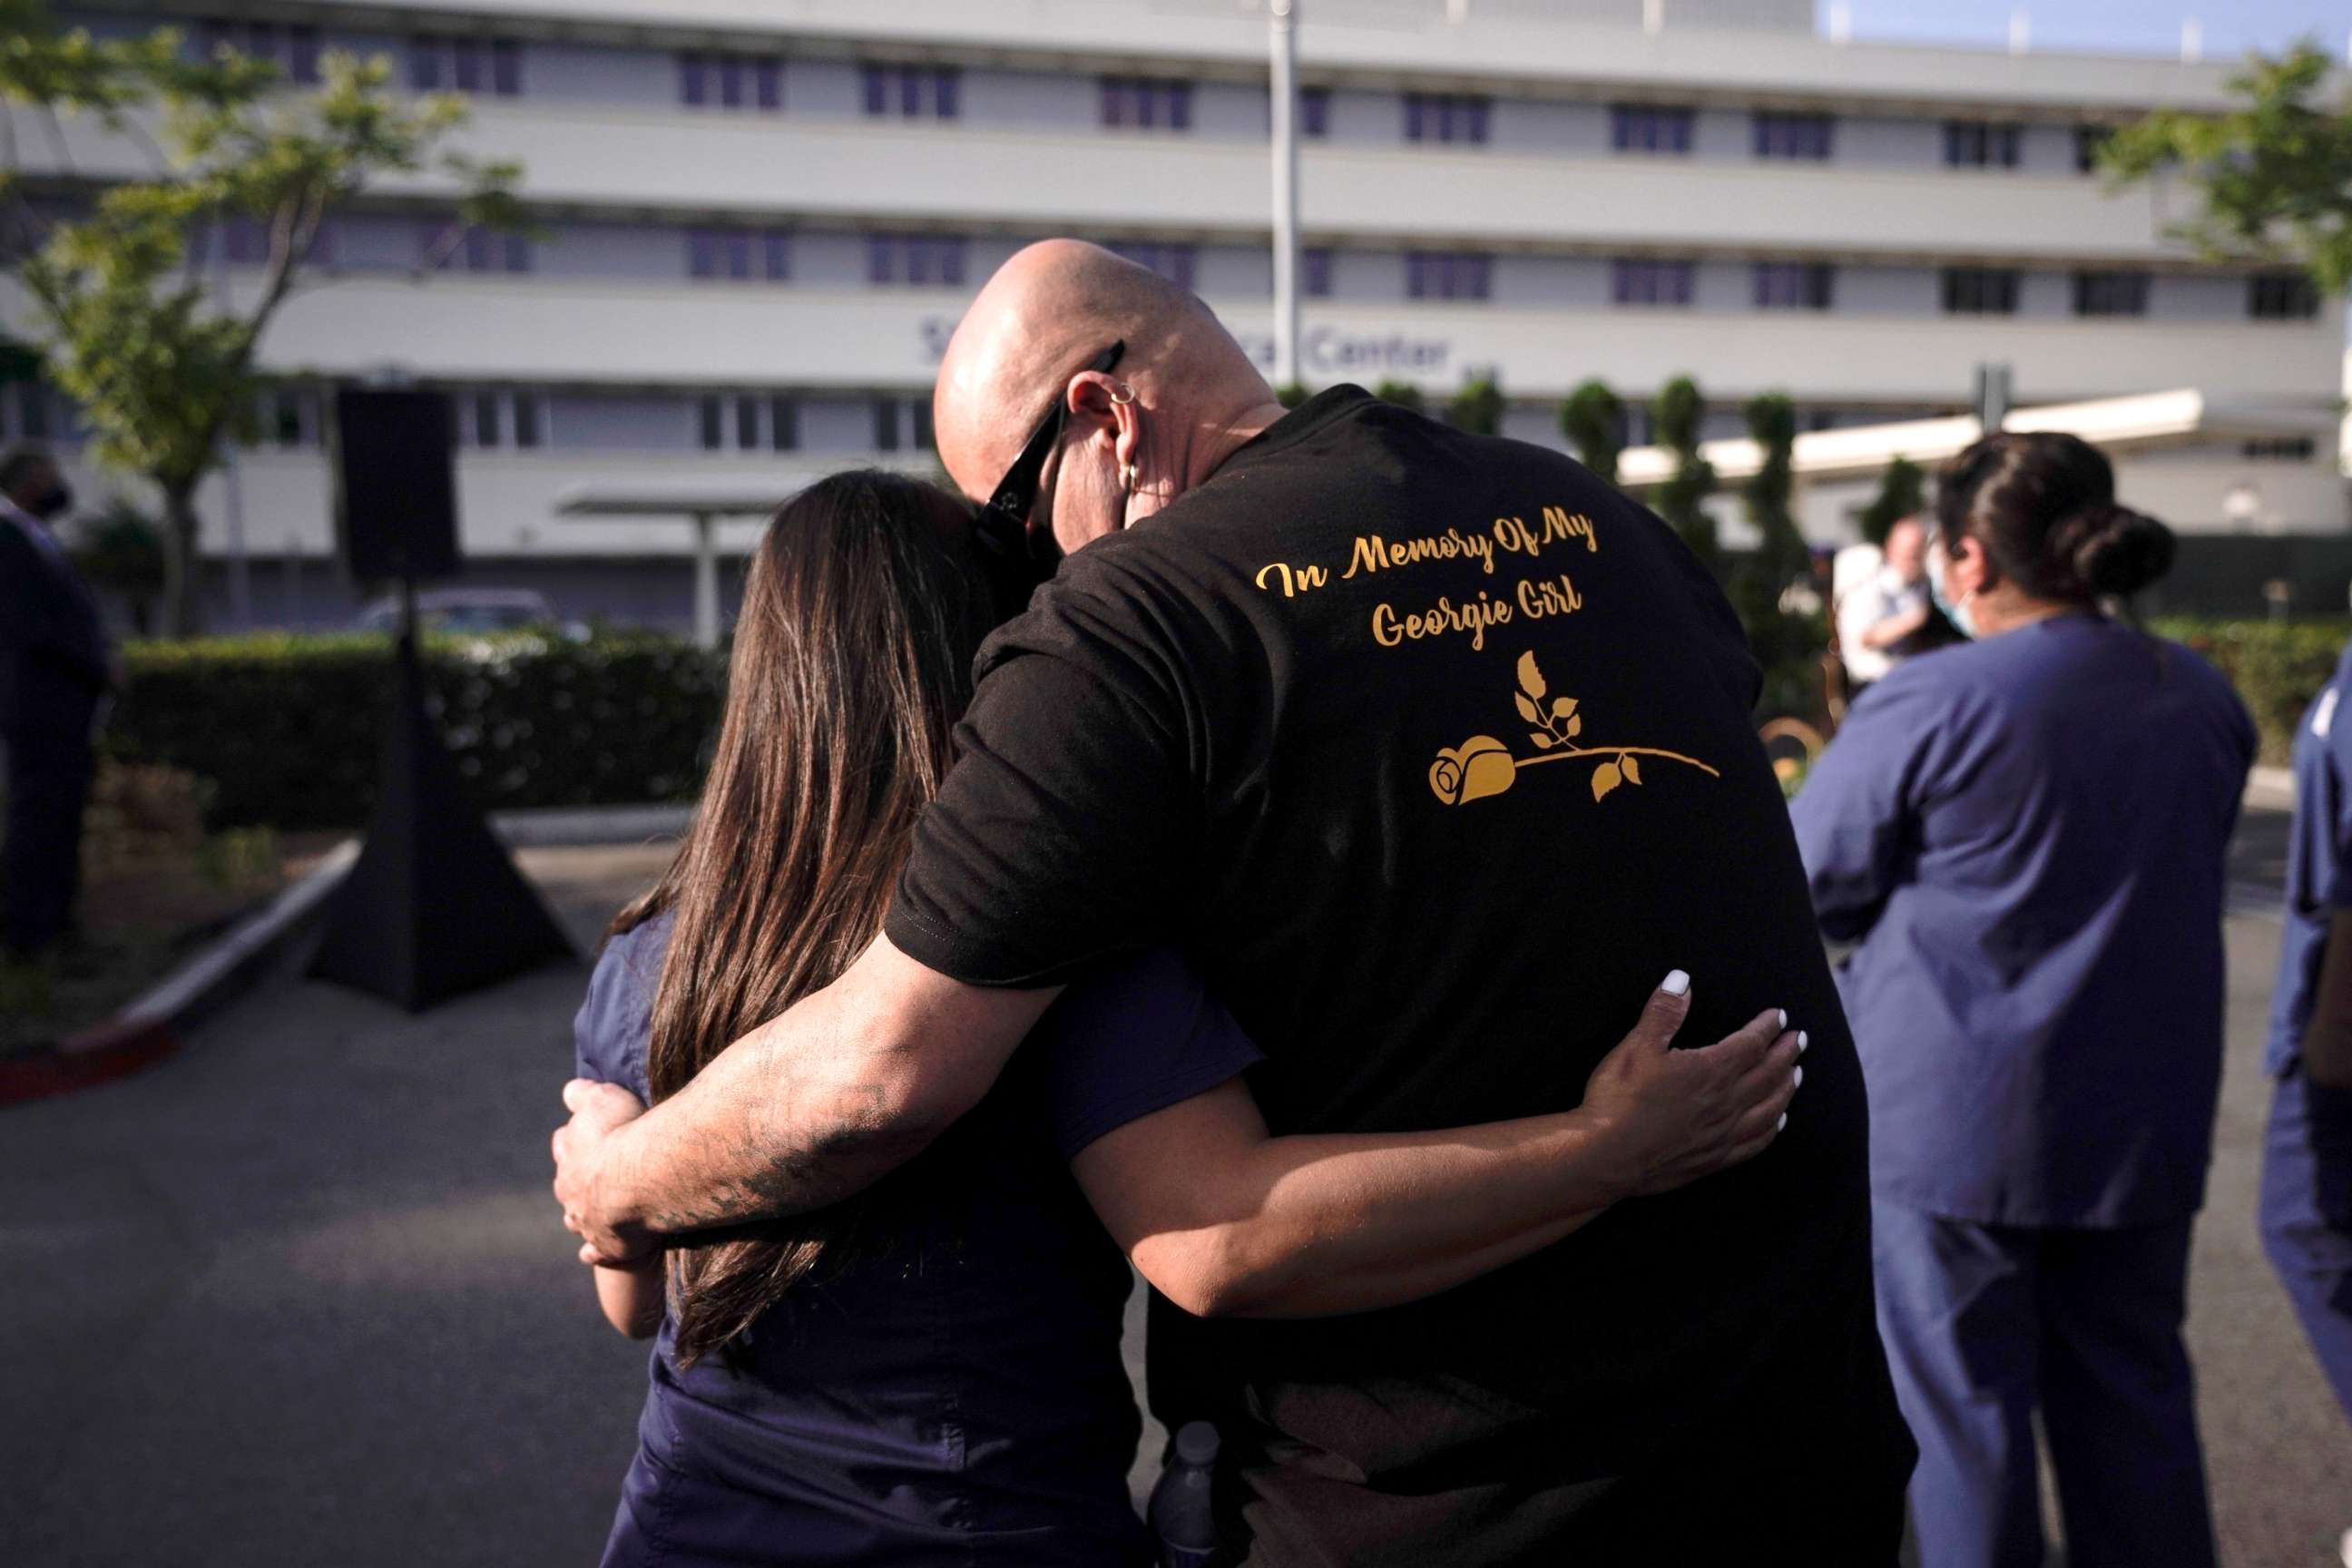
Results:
1674 1116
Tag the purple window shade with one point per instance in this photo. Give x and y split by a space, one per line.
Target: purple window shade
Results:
1416 117
910 94
302 54
1315 273
922 262
731 83
1315 111
477 250
1143 100
738 251
693 80
768 84
466 57
776 253
876 86
1474 112
424 65
529 420
1114 102
262 41
952 262
783 423
322 245
701 254
880 264
1647 282
1180 106
516 253
713 422
506 68
948 85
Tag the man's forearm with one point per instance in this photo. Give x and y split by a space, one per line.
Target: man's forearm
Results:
1894 629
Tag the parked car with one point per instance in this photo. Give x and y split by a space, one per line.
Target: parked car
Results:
475 612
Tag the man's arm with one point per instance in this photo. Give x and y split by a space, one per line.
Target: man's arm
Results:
803 1111
2326 1046
1892 630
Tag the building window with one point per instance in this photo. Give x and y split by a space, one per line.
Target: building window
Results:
886 423
530 420
2090 140
784 424
776 256
1642 281
2281 449
912 92
1980 145
747 424
2282 297
469 64
1645 128
1448 275
918 262
2111 293
1177 263
1315 113
1798 136
1147 103
1446 117
294 50
1795 285
1315 273
485 424
506 68
465 55
739 254
731 81
714 424
424 72
478 251
1979 291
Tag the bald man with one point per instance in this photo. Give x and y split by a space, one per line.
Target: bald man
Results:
1432 752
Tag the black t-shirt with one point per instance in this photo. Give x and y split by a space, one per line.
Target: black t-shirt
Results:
1435 752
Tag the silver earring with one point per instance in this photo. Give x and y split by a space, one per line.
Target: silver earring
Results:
1129 476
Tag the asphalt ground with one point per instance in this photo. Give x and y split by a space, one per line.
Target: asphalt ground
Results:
298 1296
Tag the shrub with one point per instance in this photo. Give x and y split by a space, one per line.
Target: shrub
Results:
287 730
2277 667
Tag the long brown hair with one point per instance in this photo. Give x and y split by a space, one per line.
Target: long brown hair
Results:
852 661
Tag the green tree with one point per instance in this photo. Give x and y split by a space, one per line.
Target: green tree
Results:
120 552
1900 494
1781 554
1593 417
163 366
2273 177
1290 394
1404 393
1681 501
1477 407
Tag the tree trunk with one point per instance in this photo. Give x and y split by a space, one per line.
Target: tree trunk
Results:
183 614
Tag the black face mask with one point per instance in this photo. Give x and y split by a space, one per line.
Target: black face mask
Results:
55 502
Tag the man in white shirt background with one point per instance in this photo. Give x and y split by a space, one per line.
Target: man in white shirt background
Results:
55 668
1880 619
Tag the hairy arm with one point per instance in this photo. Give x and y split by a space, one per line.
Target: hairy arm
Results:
1227 1221
2326 1046
803 1111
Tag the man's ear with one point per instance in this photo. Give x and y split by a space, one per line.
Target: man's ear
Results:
1102 404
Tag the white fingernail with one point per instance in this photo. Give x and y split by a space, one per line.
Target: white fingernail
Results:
1799 1082
1781 1125
1676 984
1784 1018
1801 1042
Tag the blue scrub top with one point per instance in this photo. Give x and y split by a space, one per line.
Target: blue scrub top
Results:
950 1390
2315 883
2026 835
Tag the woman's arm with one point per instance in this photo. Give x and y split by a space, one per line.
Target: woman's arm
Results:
1227 1221
631 1296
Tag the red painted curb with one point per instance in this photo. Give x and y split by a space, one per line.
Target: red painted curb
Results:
109 1050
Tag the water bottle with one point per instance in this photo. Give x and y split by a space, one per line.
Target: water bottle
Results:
1180 1514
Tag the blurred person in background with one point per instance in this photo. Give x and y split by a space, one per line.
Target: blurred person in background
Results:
930 1372
1891 615
55 669
2025 836
2306 1193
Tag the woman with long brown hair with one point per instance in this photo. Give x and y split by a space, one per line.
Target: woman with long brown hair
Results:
930 1373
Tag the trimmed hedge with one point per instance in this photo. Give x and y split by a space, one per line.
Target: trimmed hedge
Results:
288 729
2277 668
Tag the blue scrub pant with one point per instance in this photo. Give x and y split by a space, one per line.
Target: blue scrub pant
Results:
2307 1216
1984 1325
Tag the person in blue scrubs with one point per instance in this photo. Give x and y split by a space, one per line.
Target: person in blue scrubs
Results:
2307 1196
2024 836
930 1372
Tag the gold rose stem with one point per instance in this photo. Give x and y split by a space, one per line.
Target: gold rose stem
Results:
1614 752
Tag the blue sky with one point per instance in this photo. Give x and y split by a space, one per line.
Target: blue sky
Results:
2231 27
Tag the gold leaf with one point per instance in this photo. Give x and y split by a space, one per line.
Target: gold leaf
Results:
1576 727
1605 778
1527 709
1632 766
1543 743
1531 680
1563 707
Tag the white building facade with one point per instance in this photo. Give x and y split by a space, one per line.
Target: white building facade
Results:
759 221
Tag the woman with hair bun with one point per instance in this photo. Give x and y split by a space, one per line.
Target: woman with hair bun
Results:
2024 834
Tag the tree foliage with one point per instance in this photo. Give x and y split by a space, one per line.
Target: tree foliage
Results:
1679 415
1900 494
160 358
1404 393
1780 553
1477 407
1593 417
2273 177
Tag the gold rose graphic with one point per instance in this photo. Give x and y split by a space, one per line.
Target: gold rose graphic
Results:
1482 765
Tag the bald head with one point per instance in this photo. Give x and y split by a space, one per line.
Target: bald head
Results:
1041 318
